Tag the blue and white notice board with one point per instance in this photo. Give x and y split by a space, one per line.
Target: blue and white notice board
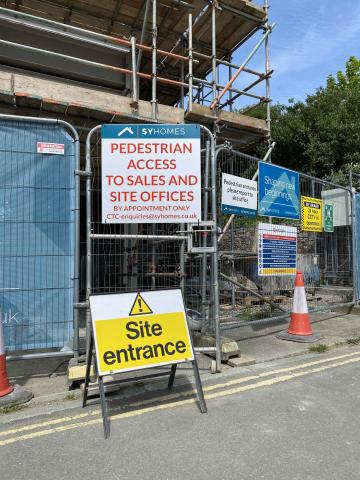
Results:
278 192
277 249
238 196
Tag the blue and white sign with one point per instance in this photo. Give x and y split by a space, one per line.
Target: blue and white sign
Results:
278 192
150 130
238 196
277 250
151 173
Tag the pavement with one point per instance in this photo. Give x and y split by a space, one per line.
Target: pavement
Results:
261 344
294 418
258 344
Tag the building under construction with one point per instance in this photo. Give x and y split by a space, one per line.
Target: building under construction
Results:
122 61
89 63
75 65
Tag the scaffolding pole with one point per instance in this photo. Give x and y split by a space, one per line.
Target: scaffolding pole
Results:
240 69
153 72
233 90
134 71
190 55
213 49
268 73
125 71
142 35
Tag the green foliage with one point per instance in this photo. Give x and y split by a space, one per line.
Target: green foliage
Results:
254 313
320 136
318 348
70 396
353 341
11 409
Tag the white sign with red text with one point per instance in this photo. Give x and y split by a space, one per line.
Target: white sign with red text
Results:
53 148
151 173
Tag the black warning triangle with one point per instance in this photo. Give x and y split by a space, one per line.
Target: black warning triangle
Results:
140 307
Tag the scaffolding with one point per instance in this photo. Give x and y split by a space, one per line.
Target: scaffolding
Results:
144 61
171 61
177 54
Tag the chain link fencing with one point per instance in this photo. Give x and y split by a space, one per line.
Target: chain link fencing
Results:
150 256
214 262
326 258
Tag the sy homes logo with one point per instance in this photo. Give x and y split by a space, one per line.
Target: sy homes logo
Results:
129 130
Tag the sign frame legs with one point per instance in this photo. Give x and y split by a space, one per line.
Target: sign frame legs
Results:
199 389
104 408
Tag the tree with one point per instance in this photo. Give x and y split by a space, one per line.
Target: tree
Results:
320 136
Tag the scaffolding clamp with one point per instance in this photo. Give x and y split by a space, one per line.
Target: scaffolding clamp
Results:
83 173
200 237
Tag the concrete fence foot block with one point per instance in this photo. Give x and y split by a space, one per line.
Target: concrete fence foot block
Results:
18 396
243 361
315 337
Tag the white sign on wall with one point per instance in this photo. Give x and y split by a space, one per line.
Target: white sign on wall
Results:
151 173
53 148
341 201
238 196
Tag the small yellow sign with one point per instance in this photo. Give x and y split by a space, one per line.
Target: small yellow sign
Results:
140 307
127 339
311 214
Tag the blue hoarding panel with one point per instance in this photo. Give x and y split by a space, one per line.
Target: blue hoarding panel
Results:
357 239
37 202
278 192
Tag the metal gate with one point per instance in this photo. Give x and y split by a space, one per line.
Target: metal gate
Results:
326 258
131 257
39 234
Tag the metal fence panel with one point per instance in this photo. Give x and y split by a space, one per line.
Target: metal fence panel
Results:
37 243
128 257
325 258
357 239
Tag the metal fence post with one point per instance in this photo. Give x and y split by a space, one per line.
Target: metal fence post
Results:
204 255
88 169
76 340
354 239
215 253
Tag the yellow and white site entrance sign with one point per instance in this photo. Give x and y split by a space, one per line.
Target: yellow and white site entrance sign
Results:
133 331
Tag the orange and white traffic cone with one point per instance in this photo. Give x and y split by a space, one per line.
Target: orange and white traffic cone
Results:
300 329
9 395
5 387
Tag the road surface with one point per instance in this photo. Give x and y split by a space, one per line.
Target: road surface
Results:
287 420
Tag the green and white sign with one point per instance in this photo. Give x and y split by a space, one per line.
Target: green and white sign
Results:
328 218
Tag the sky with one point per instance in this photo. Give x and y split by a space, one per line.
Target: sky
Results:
311 40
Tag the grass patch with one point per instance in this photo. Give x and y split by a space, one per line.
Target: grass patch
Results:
353 341
12 409
70 396
318 348
254 313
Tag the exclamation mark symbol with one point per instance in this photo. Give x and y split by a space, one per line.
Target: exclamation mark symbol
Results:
140 307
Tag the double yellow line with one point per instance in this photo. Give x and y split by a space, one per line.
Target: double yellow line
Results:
230 387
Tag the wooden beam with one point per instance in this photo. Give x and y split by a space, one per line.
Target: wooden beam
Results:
114 16
63 98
